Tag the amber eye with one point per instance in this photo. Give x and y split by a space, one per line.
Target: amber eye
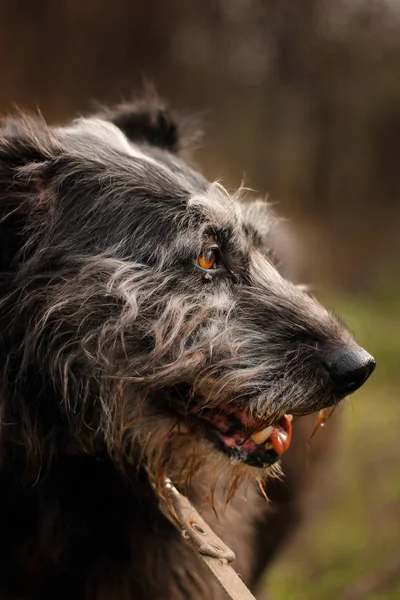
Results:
208 259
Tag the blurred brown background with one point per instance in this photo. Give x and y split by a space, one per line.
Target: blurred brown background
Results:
302 98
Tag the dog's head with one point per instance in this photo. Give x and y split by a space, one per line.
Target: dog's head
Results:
140 304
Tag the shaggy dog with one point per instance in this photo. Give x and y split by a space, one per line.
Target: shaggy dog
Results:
144 331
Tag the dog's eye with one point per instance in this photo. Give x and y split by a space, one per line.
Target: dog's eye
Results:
208 259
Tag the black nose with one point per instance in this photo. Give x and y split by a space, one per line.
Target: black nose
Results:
349 369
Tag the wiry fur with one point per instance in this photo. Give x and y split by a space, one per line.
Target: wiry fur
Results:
112 341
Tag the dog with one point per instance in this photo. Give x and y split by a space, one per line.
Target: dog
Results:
145 332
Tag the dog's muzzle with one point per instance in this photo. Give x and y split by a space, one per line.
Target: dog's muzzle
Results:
260 442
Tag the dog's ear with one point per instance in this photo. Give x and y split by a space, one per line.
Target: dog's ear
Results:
26 149
148 121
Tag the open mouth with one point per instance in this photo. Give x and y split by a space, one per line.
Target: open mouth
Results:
245 439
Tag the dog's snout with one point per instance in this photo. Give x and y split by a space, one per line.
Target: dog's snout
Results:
349 369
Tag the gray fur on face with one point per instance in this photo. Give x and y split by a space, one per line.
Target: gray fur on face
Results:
144 329
104 302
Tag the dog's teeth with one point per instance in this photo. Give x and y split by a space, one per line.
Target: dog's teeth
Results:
290 417
261 436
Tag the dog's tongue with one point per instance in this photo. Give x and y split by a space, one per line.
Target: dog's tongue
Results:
281 435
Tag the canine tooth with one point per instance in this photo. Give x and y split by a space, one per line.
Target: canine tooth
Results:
290 417
261 436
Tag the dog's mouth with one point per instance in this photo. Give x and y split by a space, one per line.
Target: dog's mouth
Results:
244 439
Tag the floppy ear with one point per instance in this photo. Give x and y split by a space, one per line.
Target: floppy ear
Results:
26 147
147 121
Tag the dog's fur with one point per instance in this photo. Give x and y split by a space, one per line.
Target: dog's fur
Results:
112 342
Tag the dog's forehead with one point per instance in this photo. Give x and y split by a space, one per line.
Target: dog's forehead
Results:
217 205
101 140
223 212
211 202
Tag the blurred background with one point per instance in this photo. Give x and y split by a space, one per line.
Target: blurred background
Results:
302 101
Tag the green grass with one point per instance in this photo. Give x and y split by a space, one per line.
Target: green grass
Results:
358 531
